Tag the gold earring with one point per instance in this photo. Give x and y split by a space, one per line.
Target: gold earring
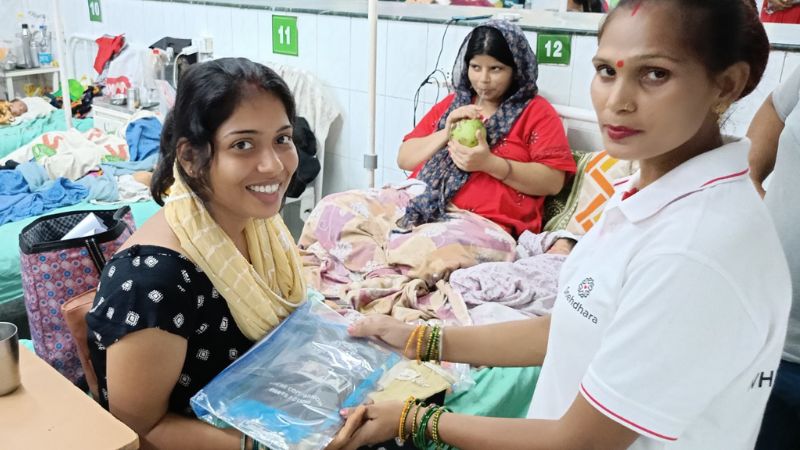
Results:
719 110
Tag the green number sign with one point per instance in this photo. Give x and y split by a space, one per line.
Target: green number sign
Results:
284 35
553 48
95 15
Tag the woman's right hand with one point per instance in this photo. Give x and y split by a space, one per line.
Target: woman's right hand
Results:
388 329
461 113
779 5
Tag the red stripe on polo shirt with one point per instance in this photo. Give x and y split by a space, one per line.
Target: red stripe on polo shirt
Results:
629 193
733 175
638 427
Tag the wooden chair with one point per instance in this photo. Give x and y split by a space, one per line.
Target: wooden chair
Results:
74 311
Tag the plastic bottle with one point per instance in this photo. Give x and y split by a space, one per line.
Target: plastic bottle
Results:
25 49
45 42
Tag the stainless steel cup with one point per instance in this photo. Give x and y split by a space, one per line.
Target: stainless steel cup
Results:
133 99
9 358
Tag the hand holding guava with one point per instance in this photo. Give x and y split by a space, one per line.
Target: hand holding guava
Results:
471 159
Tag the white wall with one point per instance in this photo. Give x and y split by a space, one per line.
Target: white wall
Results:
335 48
9 11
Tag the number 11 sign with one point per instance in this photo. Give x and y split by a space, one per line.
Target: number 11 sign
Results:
553 48
284 35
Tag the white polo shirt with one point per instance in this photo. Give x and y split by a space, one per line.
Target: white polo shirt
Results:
672 310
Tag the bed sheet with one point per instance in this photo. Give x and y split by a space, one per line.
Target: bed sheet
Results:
10 280
15 136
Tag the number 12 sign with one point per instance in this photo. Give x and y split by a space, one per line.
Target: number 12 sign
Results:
284 35
553 48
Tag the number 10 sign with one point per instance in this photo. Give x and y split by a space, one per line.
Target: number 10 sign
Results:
95 14
553 48
284 35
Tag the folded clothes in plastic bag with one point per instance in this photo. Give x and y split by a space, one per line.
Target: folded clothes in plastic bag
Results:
286 392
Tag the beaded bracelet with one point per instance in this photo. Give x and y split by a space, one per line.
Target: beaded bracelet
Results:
435 429
401 427
437 335
431 341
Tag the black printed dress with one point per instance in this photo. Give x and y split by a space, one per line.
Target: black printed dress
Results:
154 287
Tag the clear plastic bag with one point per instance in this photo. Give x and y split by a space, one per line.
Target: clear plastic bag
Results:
286 392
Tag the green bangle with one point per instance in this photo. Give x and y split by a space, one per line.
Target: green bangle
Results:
428 344
435 350
432 345
421 440
243 442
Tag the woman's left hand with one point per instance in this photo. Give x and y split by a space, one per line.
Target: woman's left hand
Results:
368 424
471 159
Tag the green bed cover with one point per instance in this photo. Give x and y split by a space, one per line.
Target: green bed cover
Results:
13 137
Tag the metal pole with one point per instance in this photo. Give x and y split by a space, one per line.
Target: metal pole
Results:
372 19
62 64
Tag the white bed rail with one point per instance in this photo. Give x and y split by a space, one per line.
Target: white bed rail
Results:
581 127
81 50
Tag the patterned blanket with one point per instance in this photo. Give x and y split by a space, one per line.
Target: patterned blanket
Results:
354 253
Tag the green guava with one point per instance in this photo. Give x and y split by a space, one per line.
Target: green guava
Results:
464 132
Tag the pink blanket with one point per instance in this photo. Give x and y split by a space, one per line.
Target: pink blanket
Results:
354 254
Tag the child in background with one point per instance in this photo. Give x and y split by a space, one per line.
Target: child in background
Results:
9 111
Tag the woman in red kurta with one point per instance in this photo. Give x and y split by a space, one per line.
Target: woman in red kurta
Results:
537 136
524 155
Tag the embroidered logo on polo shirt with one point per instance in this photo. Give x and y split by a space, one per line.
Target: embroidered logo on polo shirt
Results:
578 306
585 288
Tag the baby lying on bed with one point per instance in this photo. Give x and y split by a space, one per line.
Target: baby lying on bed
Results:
11 110
528 284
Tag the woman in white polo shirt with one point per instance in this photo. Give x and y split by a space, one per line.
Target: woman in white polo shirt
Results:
672 310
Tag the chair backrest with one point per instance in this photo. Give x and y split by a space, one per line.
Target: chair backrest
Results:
74 311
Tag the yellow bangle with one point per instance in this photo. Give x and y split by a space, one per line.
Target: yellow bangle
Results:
420 337
401 428
411 339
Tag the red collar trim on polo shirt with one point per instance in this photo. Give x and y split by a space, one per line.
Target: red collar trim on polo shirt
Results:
733 175
722 165
629 193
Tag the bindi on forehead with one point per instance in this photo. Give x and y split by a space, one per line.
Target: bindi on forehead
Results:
636 8
620 64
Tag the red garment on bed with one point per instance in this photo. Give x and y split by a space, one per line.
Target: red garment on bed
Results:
107 48
537 136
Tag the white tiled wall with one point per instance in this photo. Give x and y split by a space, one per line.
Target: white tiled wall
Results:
335 49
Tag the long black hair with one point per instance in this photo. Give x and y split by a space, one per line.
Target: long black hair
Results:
207 96
720 33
